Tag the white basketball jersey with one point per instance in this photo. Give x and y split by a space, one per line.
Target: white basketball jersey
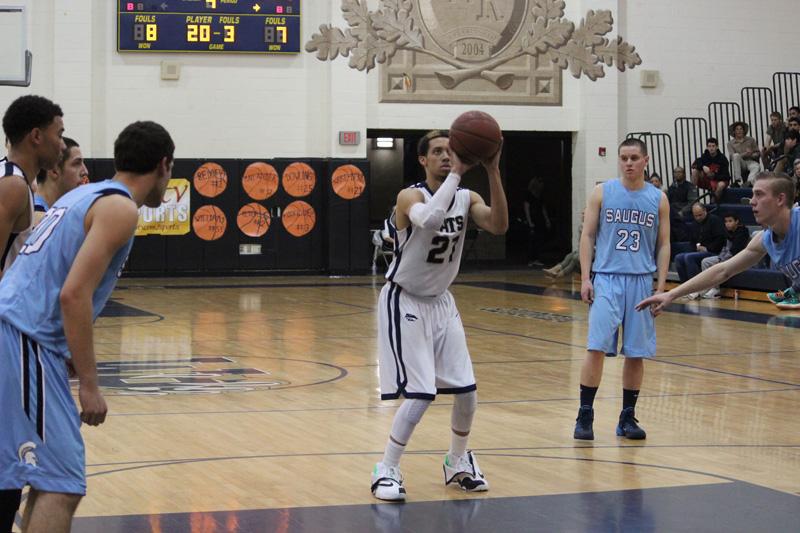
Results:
426 261
15 240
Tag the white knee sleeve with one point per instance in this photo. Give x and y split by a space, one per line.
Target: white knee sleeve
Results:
407 417
464 407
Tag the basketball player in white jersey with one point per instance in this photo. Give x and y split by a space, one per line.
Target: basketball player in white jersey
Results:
33 126
421 341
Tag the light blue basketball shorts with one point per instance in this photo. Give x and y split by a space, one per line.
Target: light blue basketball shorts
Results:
40 438
615 298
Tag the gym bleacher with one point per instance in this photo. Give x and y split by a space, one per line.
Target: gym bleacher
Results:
687 142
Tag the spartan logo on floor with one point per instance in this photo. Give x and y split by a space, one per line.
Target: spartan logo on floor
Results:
527 313
195 375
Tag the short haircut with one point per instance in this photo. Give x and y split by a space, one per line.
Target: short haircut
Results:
713 140
141 146
41 177
794 108
27 113
776 114
792 134
794 119
634 142
425 142
698 204
732 215
779 183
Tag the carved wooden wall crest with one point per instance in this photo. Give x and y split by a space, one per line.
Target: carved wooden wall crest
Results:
486 51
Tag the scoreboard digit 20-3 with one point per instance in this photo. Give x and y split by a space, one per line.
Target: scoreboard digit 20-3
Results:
232 26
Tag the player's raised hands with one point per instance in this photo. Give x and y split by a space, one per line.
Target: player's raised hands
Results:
458 166
494 161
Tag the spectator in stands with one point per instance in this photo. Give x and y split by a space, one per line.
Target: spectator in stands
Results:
743 151
655 180
796 177
710 240
774 136
794 112
681 193
710 170
737 238
793 124
789 152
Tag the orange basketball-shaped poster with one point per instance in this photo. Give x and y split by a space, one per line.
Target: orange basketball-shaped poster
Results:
348 181
209 223
299 218
210 180
299 179
260 181
253 219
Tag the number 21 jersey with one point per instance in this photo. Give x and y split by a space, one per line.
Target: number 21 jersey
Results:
627 230
426 261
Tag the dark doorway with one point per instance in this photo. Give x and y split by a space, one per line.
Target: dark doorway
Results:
525 155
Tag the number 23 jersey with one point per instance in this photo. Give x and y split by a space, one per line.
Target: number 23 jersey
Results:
627 229
426 261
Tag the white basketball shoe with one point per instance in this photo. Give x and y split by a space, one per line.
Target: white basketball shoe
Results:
387 483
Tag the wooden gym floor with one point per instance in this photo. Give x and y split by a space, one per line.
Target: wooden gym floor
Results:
251 404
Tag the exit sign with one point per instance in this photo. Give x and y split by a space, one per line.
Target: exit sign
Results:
349 138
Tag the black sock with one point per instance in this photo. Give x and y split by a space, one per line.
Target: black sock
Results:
629 398
9 503
587 395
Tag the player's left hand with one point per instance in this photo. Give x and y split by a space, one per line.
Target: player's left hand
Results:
93 405
656 303
494 161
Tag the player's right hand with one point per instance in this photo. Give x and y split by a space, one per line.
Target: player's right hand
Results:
656 303
587 292
93 405
458 166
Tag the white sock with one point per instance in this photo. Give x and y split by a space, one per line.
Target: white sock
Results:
393 452
458 445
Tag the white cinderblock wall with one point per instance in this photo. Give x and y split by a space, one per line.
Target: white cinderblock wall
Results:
291 106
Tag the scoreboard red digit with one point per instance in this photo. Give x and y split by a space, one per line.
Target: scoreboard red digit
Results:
214 26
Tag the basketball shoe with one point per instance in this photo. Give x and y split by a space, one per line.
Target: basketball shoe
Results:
790 300
628 426
465 472
387 483
583 424
778 297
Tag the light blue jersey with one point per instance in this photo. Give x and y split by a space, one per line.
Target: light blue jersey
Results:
29 291
785 255
627 230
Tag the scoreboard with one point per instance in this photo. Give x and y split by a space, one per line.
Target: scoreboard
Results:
227 26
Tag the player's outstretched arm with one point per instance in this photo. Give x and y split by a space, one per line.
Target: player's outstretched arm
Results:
712 277
109 224
493 219
588 236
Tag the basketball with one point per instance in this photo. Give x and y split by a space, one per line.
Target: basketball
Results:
299 218
348 182
299 179
210 180
475 136
260 181
253 219
209 223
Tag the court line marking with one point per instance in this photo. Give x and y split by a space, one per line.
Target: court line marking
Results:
443 404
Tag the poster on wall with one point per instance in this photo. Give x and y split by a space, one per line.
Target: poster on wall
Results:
172 216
